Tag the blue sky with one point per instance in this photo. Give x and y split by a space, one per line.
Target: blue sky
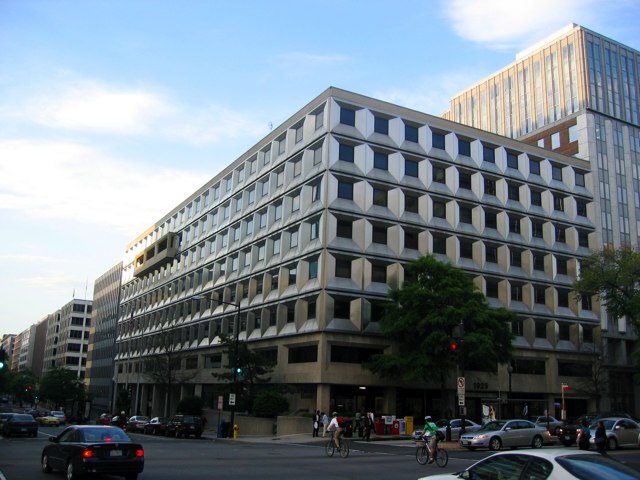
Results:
105 104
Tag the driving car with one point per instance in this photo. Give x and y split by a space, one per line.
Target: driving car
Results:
185 426
157 425
137 423
621 432
553 463
507 433
456 425
550 423
20 424
4 416
568 433
93 449
48 420
59 414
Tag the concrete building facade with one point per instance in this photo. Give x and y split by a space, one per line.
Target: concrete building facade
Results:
8 342
304 234
578 92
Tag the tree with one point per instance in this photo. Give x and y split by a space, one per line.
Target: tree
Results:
164 368
613 275
270 403
191 405
250 369
19 386
58 385
423 317
595 382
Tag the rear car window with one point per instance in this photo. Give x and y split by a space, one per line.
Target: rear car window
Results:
588 467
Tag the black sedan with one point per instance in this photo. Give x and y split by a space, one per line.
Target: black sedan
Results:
20 424
157 425
93 449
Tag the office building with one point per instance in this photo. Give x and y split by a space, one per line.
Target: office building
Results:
8 342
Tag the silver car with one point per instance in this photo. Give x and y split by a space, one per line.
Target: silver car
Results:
507 433
456 425
549 422
621 432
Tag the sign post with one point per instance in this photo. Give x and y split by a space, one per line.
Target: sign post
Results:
232 399
565 387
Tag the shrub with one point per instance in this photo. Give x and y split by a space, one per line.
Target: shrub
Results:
269 404
191 405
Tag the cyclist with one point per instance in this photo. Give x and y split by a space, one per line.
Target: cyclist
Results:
335 426
430 430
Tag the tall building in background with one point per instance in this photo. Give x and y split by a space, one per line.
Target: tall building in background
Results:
102 340
67 339
8 342
294 246
578 93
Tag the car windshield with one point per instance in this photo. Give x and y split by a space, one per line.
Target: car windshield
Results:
22 418
142 419
492 426
587 467
104 435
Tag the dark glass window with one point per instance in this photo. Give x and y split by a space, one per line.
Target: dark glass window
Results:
379 273
529 367
536 229
569 369
343 268
538 262
564 331
411 133
491 253
536 197
490 219
464 179
541 329
411 168
380 197
345 190
341 308
466 214
516 292
411 203
580 179
561 264
351 354
308 354
558 203
380 160
515 258
492 288
411 239
512 160
439 244
556 172
581 208
379 234
344 228
583 238
466 249
560 234
489 186
345 152
347 116
381 125
439 209
488 154
464 147
539 294
534 167
438 140
587 305
439 174
513 192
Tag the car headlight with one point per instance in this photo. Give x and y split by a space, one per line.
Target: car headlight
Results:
481 437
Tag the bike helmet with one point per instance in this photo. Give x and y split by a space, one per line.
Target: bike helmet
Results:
427 417
334 414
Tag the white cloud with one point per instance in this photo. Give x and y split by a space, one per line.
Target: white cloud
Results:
508 23
73 182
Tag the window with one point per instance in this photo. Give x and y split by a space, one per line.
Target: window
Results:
560 234
265 188
379 273
555 140
541 329
293 239
410 168
490 219
488 154
315 230
439 244
466 214
295 203
380 160
317 156
564 331
293 275
380 197
319 119
558 203
411 239
580 179
345 152
515 257
313 269
280 177
308 354
261 252
563 297
489 186
464 147
491 253
439 174
345 190
282 143
585 300
263 219
517 327
278 211
410 203
438 140
573 133
561 265
492 288
536 198
381 125
379 234
512 160
583 238
344 229
540 142
466 249
297 168
276 246
343 268
266 157
347 116
536 228
534 167
539 294
516 293
299 133
556 172
464 180
410 133
439 209
538 262
513 192
581 208
251 196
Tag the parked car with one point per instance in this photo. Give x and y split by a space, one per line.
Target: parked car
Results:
185 426
507 433
418 431
456 425
553 463
59 414
4 416
568 433
550 423
48 420
20 424
621 432
93 449
157 425
137 423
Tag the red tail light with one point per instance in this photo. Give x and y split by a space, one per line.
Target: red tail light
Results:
87 453
140 453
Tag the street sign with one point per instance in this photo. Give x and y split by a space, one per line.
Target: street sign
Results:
461 400
461 385
232 399
220 402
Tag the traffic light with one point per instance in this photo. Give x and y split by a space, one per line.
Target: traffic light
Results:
239 373
29 387
1 364
453 346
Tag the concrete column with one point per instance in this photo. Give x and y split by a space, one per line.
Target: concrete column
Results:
323 398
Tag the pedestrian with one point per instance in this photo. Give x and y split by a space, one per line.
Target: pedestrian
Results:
368 425
492 414
325 423
316 422
601 437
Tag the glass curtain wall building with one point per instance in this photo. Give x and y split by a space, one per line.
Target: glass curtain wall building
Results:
305 233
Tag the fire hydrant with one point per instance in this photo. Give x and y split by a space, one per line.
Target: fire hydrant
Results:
235 432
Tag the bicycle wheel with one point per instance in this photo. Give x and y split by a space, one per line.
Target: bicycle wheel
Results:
344 449
442 457
422 455
329 448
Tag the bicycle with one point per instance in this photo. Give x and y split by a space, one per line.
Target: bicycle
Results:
422 454
330 447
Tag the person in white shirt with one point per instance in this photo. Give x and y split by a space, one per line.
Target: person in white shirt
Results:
334 426
325 424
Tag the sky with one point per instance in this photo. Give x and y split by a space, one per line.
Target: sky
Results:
113 112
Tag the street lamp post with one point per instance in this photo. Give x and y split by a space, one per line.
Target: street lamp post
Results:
510 371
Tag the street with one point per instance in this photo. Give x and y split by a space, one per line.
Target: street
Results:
170 458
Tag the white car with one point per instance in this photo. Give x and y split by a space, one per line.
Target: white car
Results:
621 432
60 416
553 463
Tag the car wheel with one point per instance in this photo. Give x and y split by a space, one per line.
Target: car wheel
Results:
612 444
495 443
46 468
537 442
71 474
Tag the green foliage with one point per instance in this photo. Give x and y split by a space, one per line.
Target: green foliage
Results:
434 299
18 383
59 385
613 275
270 403
191 405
